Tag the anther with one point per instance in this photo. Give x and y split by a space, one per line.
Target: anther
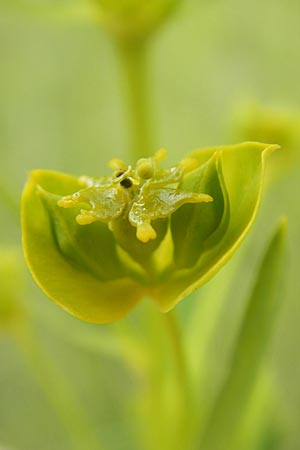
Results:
126 183
145 168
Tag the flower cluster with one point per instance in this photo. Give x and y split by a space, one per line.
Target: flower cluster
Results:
142 194
97 246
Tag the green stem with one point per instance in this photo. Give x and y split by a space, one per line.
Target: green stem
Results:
59 393
182 431
178 350
134 58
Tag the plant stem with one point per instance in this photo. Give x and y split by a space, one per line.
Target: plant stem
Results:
182 431
134 59
178 350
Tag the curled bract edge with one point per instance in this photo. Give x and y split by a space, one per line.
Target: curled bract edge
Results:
97 246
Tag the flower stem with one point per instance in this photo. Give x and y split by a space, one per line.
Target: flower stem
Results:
183 427
178 350
134 59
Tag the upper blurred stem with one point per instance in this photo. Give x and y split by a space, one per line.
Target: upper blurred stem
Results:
134 59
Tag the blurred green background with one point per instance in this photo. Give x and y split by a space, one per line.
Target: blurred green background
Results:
221 72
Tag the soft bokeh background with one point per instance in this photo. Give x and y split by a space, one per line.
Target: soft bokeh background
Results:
221 71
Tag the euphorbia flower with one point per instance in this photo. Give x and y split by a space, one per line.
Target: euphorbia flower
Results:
139 194
97 246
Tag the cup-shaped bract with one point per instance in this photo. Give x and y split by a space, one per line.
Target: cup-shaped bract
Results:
96 246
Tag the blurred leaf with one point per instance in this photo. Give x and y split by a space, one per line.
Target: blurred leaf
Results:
262 427
59 391
117 342
205 314
249 349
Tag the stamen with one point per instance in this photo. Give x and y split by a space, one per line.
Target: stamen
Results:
160 154
145 168
188 164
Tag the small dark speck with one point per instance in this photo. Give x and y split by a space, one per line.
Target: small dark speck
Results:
126 183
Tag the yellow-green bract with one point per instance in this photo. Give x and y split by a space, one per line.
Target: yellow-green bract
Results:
99 267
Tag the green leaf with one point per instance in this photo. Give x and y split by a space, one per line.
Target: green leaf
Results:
92 248
243 168
193 224
263 426
74 288
255 331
